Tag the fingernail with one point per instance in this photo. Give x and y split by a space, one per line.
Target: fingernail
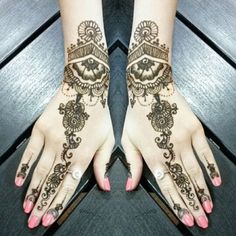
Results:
48 219
28 206
216 181
188 220
128 184
207 205
33 222
19 181
106 184
202 221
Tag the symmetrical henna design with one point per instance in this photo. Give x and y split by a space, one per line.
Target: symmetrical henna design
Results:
86 78
149 78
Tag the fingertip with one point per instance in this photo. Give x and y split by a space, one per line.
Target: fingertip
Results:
19 181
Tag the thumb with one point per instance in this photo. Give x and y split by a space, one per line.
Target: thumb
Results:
101 163
135 164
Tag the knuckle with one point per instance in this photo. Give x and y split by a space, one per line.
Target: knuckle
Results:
194 170
41 170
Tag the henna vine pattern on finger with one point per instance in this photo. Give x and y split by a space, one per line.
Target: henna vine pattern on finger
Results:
24 168
201 193
86 78
34 194
56 210
150 78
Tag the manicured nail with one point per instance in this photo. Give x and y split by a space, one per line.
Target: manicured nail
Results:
19 181
33 222
216 181
28 206
128 184
106 184
48 219
202 221
207 205
188 220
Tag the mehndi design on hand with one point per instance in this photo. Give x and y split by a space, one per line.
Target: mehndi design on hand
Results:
86 78
150 78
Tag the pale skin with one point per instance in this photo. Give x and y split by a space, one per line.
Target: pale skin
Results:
187 133
48 134
53 132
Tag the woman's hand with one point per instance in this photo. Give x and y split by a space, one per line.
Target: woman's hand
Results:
74 128
161 128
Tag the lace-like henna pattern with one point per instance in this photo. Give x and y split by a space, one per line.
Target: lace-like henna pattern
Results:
85 77
148 71
149 77
87 72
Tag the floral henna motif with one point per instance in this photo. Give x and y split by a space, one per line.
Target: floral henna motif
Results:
87 72
87 76
74 117
149 77
148 71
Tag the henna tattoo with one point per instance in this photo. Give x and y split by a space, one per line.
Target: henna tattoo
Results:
87 72
86 78
23 170
34 194
149 77
201 193
148 72
74 117
56 210
212 169
180 211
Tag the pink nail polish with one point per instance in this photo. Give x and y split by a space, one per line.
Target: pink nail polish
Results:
202 221
207 205
48 219
106 184
33 222
28 206
188 220
19 181
216 181
128 184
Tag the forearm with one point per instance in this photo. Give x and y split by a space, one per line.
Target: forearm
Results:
162 13
73 13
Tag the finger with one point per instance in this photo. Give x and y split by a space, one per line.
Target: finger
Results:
40 173
52 185
186 190
195 172
30 155
101 164
169 191
63 196
205 154
135 164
